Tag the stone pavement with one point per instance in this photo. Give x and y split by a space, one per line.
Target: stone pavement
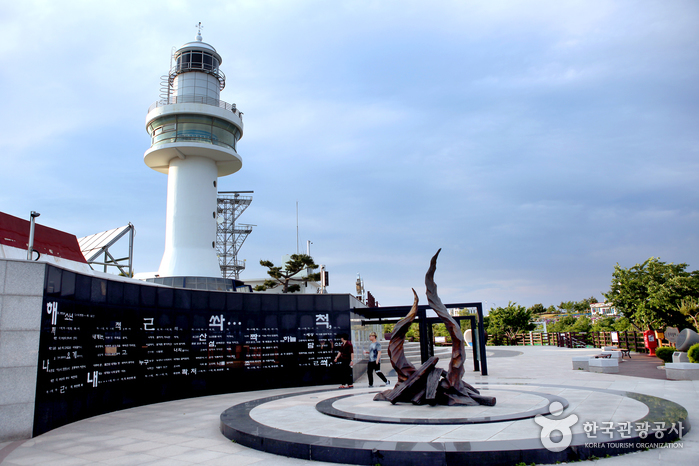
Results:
186 432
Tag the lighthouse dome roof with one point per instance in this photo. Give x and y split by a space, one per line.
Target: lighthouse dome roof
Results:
201 46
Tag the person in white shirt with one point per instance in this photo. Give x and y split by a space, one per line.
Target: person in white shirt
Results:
375 361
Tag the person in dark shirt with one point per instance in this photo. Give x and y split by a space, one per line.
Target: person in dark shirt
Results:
345 357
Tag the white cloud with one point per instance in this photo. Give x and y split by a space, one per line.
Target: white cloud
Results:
504 132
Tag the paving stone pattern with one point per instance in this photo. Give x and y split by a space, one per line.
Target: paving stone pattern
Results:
186 432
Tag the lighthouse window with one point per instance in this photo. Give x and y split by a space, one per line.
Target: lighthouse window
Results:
161 125
183 61
162 129
225 133
197 60
194 127
197 128
208 62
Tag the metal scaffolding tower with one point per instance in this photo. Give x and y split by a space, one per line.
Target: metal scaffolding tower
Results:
229 236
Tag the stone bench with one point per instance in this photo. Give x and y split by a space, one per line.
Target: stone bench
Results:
605 366
581 363
614 354
682 371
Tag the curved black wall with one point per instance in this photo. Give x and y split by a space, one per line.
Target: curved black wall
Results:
107 345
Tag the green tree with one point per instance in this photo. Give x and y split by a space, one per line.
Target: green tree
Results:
690 309
538 309
297 263
583 306
604 324
650 294
582 324
388 328
567 306
611 323
622 324
510 320
564 324
413 332
440 330
465 324
577 307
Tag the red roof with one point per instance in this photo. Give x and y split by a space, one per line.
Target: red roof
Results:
14 232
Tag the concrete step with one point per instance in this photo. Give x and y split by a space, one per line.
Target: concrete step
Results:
412 352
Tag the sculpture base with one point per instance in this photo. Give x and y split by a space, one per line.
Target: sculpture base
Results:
429 385
334 426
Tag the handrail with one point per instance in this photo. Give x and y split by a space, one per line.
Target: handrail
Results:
186 67
628 339
192 99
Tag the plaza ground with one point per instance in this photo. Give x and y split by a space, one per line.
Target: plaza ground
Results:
186 432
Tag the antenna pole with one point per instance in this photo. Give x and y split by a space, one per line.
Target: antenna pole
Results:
30 245
297 227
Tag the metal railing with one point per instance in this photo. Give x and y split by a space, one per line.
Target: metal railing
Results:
624 339
196 99
201 67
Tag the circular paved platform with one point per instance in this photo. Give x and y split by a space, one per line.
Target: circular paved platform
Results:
349 427
511 405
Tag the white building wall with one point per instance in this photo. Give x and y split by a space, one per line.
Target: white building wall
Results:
197 84
190 228
603 309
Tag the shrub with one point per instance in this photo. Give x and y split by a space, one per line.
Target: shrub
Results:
693 353
665 353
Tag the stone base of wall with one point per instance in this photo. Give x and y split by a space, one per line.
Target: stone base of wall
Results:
21 298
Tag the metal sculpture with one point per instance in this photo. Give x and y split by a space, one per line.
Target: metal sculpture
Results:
400 363
430 384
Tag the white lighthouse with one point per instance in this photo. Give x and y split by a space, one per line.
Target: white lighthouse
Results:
194 136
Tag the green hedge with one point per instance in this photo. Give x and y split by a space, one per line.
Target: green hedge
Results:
665 353
693 353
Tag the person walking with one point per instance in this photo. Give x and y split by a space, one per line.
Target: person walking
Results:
375 361
346 359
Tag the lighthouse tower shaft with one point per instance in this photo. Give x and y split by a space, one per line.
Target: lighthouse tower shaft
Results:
193 140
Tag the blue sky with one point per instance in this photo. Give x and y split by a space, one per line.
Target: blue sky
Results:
538 143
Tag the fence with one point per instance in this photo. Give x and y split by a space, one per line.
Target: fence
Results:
628 339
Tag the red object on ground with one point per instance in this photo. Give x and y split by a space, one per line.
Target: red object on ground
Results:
650 341
14 232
